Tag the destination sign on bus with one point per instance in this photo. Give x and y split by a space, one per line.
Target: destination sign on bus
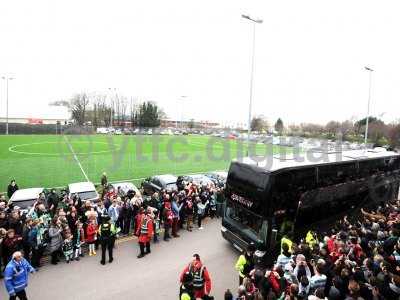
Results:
241 200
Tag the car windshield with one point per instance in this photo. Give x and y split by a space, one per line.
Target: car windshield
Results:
24 203
171 186
87 195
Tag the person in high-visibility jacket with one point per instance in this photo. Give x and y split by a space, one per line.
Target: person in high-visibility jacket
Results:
145 232
245 263
201 277
107 233
311 239
286 240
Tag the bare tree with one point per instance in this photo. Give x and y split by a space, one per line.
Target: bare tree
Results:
332 127
79 104
346 128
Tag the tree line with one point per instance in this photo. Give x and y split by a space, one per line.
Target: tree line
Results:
379 133
101 110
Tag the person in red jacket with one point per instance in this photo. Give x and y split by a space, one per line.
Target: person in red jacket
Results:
91 236
201 277
144 231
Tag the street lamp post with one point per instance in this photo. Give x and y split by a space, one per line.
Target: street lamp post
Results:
7 79
177 117
112 106
369 100
254 21
182 98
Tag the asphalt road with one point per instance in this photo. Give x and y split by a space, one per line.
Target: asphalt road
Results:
154 277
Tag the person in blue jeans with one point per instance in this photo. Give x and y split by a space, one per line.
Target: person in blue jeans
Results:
16 276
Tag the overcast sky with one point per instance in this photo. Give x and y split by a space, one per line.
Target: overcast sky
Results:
310 56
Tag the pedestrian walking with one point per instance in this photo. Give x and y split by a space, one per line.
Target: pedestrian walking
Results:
201 278
16 276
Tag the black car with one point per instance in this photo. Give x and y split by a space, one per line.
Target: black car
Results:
218 177
160 182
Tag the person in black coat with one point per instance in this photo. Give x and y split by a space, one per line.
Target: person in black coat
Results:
52 201
391 287
4 220
12 187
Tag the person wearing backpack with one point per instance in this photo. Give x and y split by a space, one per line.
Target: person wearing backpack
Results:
201 278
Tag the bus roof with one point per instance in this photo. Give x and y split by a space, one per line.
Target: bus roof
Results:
278 162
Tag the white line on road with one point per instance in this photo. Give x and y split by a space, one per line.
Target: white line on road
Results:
76 158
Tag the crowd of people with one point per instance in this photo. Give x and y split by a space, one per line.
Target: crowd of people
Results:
358 259
62 227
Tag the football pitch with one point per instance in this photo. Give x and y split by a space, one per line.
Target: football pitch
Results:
57 160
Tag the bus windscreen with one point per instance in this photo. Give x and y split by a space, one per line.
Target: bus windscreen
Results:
247 178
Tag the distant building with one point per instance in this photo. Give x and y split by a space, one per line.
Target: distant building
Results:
53 115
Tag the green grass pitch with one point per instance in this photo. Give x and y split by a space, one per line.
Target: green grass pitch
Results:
57 160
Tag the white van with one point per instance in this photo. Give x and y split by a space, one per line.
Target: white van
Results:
25 198
85 190
102 130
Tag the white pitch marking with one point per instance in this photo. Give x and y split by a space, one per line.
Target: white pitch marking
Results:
76 158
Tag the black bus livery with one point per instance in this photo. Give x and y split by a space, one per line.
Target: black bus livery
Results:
263 204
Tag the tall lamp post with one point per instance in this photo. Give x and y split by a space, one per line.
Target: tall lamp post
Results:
112 106
7 79
369 100
183 98
254 22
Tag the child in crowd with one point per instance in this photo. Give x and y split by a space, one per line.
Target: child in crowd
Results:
68 248
79 238
157 228
91 236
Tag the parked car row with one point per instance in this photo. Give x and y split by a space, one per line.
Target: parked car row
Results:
161 131
170 182
108 130
25 198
